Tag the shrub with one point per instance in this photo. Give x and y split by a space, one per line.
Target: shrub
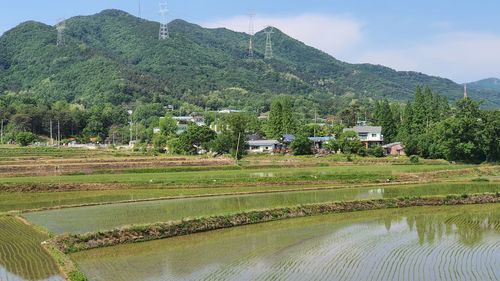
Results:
25 138
362 151
414 159
301 146
377 151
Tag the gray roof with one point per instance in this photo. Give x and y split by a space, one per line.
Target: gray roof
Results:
263 142
365 129
389 145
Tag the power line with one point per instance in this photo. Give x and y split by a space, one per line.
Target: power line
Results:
164 33
269 44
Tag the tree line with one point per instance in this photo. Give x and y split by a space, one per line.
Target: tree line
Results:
427 126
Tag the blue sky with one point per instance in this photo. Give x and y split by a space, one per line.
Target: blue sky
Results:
457 39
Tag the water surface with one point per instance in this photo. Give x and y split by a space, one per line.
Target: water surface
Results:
106 217
22 257
426 243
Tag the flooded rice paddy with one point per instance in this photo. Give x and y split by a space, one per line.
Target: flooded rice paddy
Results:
106 217
425 243
22 257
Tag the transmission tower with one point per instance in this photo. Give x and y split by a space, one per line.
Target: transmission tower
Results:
139 14
60 26
251 32
164 34
269 44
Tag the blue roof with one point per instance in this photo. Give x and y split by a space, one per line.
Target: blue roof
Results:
288 138
321 139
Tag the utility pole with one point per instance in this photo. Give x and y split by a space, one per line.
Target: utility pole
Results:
251 32
238 146
61 26
1 133
164 33
58 133
51 139
269 44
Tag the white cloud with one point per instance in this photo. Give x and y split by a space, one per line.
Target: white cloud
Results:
461 56
334 34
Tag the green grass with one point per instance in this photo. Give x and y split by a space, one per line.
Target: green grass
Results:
348 174
105 217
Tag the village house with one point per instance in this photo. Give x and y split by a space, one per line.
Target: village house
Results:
368 135
262 146
394 149
184 121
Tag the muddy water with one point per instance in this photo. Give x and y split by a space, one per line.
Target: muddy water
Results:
106 217
426 243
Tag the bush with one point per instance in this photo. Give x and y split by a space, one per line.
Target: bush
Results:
362 151
301 146
414 159
25 138
377 151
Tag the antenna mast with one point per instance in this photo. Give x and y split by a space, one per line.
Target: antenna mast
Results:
251 32
164 34
465 90
269 43
140 9
60 26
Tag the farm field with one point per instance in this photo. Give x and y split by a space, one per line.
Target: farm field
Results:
423 243
341 174
107 217
21 254
73 191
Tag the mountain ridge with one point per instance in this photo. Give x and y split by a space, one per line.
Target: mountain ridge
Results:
115 57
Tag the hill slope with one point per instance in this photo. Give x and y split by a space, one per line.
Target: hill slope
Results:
115 57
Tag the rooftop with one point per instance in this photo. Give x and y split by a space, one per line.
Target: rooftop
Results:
365 129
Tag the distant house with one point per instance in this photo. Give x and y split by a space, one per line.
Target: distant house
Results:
262 146
184 121
369 135
319 141
395 149
227 111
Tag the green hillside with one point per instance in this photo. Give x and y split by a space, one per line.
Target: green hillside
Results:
115 57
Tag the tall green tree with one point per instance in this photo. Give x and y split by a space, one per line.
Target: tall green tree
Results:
275 123
168 126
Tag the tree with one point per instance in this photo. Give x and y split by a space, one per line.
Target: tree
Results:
349 142
275 123
196 138
168 126
301 145
160 142
222 144
25 138
288 122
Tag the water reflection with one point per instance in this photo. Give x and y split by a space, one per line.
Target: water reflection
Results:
90 219
441 243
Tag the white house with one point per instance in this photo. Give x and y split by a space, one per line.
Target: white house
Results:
262 146
369 135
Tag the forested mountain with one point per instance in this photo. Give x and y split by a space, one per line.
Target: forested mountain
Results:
115 57
486 84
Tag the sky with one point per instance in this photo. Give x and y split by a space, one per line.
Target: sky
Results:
456 39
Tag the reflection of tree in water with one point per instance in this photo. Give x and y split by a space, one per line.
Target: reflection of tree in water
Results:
469 227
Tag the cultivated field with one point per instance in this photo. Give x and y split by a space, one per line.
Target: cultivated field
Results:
77 191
